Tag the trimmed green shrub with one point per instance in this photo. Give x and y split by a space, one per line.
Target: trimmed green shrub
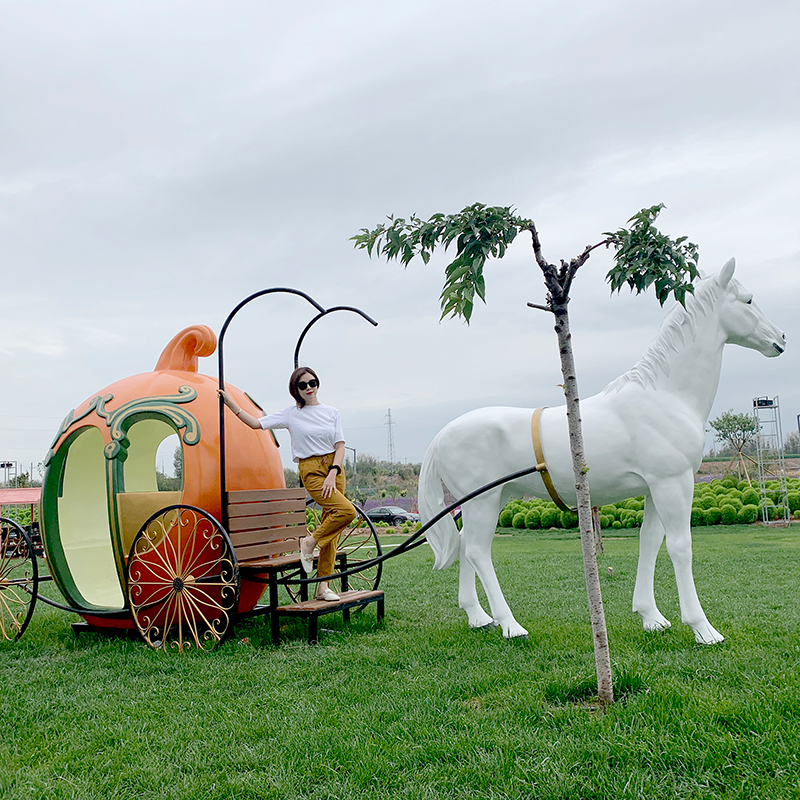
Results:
698 516
606 520
730 482
712 516
569 519
709 500
794 501
519 520
616 524
533 519
728 514
549 516
506 517
747 514
639 518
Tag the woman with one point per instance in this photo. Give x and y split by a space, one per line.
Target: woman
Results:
318 449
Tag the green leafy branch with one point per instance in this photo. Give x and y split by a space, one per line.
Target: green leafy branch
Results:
645 256
479 232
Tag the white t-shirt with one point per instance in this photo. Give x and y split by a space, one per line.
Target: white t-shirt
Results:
315 430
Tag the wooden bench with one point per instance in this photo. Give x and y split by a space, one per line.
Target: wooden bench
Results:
265 526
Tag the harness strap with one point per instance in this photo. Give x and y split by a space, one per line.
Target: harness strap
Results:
541 467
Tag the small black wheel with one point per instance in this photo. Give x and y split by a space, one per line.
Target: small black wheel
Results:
398 522
358 543
19 579
183 580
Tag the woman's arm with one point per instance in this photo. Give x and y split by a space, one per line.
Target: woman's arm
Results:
329 484
248 419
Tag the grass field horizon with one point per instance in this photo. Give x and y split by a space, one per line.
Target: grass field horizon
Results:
422 707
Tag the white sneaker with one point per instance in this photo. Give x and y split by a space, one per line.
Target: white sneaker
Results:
306 559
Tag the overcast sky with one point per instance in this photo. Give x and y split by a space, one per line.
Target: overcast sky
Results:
160 161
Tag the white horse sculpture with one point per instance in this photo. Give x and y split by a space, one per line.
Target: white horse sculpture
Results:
644 435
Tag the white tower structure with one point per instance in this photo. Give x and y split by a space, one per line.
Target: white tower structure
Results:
771 466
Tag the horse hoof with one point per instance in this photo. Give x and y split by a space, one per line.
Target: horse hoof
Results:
480 620
708 636
655 622
514 632
657 625
486 627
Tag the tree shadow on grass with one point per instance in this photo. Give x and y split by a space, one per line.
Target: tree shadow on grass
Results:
583 692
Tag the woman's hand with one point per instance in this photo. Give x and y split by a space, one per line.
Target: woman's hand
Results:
226 398
329 484
248 419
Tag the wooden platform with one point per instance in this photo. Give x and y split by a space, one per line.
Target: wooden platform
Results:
265 528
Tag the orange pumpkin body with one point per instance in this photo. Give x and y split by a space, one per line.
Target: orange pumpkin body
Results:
100 484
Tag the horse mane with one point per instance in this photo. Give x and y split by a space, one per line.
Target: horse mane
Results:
677 330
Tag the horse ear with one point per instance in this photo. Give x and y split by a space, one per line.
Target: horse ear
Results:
724 277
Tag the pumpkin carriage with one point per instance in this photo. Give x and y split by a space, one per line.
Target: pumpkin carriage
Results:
178 566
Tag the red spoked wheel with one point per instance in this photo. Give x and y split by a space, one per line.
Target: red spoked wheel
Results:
183 580
19 580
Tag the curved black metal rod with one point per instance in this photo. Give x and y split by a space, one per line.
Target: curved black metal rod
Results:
410 544
221 371
319 317
121 613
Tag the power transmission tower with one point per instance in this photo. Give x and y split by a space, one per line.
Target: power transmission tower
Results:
389 436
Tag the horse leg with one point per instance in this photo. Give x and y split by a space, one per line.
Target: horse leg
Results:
644 598
468 594
672 498
480 523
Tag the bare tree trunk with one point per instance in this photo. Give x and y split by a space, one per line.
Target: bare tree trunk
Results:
602 656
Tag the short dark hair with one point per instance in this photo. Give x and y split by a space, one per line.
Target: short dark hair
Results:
293 381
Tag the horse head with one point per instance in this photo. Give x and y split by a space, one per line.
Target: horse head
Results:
742 320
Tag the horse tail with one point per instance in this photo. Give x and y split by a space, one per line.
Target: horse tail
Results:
443 537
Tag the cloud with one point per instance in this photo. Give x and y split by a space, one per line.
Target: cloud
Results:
161 162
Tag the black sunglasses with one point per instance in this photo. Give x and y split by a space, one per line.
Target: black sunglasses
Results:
312 384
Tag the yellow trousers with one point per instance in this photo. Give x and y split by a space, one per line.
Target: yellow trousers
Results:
337 511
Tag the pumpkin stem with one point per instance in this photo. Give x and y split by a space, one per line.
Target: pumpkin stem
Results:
186 347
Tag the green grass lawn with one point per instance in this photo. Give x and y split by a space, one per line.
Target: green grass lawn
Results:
421 707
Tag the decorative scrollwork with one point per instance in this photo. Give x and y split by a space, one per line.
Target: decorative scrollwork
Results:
183 580
97 404
19 578
166 406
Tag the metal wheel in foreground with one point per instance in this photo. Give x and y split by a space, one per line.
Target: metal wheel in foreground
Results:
183 580
359 543
19 580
